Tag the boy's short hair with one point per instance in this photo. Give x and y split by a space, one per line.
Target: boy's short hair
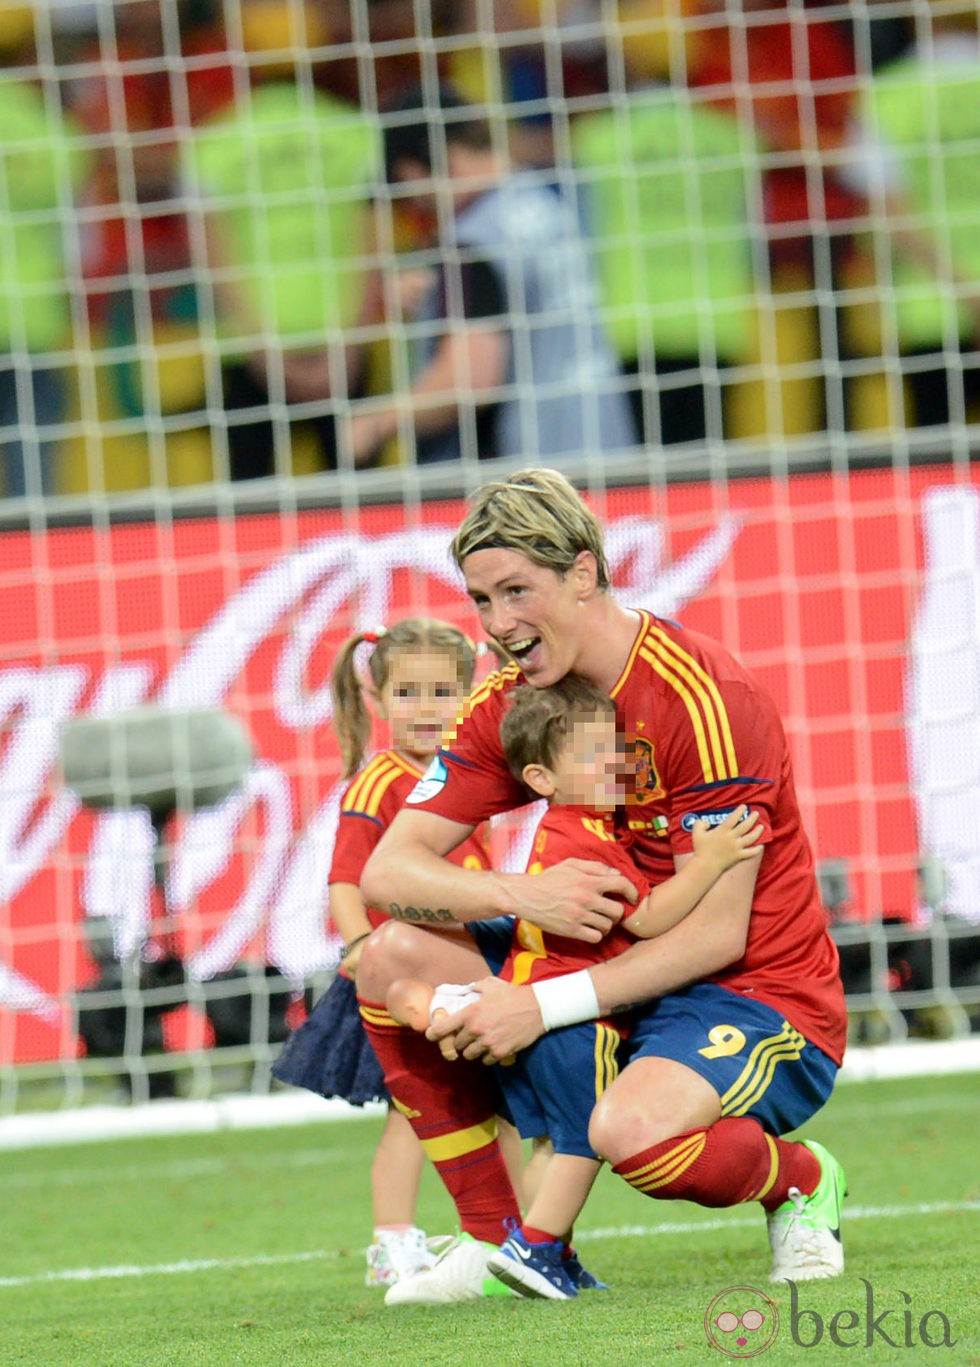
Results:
538 513
421 121
537 720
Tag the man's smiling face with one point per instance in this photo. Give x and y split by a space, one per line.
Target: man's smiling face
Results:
532 611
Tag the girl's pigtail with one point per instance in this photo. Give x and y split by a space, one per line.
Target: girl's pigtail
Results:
352 720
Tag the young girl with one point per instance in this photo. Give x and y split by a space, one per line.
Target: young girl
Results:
419 672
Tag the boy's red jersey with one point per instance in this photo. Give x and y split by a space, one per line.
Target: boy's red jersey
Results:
571 833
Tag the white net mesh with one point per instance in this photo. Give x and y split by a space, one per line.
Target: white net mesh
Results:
273 301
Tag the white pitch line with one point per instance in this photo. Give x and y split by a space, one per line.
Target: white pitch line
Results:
850 1213
94 1274
176 1170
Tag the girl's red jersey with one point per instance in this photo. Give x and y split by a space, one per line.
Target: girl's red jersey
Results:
369 805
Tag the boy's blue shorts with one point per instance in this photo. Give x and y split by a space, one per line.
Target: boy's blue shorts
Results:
493 938
552 1087
754 1059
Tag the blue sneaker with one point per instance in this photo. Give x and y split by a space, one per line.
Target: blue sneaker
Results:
581 1276
533 1269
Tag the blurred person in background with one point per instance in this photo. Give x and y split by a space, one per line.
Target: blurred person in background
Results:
923 181
152 70
43 165
789 71
543 53
394 49
670 187
510 354
282 183
789 74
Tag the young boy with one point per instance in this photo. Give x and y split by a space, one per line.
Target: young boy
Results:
562 742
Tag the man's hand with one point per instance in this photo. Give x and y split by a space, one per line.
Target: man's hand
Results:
577 898
504 1020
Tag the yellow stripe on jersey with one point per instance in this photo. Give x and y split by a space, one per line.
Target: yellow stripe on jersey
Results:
377 1015
531 940
493 683
641 637
670 1165
690 702
715 710
376 794
366 795
454 1145
606 1061
363 781
757 1074
705 708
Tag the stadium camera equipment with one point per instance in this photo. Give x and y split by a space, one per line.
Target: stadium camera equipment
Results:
164 761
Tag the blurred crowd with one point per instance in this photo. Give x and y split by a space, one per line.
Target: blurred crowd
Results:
251 237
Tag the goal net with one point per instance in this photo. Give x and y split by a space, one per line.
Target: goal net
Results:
282 283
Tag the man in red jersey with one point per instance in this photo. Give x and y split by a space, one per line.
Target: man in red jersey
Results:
744 1024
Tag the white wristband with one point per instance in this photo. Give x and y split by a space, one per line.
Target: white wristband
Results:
568 1000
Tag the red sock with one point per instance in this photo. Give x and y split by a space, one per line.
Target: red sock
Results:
733 1161
452 1109
539 1236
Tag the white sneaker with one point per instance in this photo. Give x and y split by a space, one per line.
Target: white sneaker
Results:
459 1274
804 1233
394 1254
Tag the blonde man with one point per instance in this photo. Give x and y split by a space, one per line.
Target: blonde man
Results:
744 1026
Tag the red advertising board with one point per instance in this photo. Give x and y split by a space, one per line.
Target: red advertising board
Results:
819 582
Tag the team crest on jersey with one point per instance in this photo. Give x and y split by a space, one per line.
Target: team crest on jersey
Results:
432 782
647 781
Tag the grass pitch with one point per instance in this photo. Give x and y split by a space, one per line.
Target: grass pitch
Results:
244 1249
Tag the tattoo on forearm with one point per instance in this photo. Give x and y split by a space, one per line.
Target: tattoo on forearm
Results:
430 914
621 1010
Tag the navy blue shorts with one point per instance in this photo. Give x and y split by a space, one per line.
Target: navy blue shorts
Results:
552 1087
493 938
754 1059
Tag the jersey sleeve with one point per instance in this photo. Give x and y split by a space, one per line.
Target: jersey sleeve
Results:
738 761
356 838
367 808
469 780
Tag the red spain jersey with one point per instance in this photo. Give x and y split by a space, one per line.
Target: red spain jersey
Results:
369 805
571 833
705 737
